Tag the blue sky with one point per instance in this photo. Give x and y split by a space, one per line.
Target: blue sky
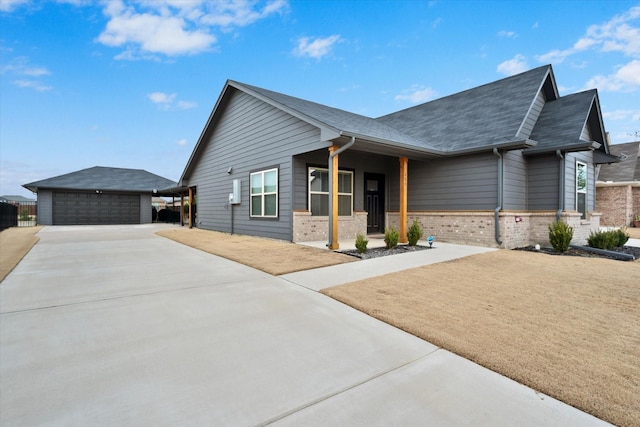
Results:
131 83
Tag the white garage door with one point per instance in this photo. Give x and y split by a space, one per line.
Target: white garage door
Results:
72 208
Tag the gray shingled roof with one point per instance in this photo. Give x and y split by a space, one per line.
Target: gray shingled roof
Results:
339 120
628 169
562 120
105 178
487 115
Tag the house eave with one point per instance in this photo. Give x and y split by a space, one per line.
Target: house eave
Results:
567 148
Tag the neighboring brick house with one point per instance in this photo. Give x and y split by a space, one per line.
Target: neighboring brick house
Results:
618 186
493 165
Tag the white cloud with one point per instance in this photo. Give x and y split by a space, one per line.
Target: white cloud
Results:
436 23
26 73
622 115
625 79
508 34
417 94
186 105
146 28
167 101
315 48
20 66
620 34
32 84
516 65
10 5
182 142
161 97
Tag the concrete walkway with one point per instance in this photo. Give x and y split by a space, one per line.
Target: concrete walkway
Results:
114 326
327 277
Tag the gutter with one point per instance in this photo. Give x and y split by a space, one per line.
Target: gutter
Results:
331 156
500 193
560 185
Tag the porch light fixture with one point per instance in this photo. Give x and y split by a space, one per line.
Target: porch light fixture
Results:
229 170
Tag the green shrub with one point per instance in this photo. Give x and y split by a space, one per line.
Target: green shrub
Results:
24 215
600 240
621 236
414 233
361 243
560 235
608 239
391 236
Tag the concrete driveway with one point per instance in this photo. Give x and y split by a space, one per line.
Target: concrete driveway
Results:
113 325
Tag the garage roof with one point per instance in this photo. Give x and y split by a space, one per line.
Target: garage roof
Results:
105 178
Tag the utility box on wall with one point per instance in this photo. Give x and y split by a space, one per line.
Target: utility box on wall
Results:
234 197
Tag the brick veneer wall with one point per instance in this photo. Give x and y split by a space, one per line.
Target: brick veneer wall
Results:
308 228
619 203
517 229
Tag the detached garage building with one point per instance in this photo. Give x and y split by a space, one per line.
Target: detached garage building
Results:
98 195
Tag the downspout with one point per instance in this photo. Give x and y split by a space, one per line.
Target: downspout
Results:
560 185
500 191
331 156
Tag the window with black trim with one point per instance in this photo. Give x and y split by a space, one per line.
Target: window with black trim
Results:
319 192
264 194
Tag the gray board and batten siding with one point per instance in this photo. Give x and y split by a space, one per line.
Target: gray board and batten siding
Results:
250 135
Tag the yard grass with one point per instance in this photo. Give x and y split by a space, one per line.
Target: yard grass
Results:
568 327
15 243
271 256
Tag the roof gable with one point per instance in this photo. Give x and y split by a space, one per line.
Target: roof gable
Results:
483 116
563 121
104 178
627 169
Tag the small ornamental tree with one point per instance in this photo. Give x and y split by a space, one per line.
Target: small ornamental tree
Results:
391 236
560 235
361 243
414 233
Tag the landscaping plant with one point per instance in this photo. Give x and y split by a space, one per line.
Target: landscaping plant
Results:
560 235
414 233
361 243
608 239
391 236
24 215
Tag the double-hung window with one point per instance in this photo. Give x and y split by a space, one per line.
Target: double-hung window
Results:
581 188
319 192
264 194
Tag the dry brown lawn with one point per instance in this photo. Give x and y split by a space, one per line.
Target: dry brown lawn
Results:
566 326
15 243
271 256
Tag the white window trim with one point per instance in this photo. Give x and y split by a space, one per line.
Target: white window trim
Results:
263 194
340 171
586 183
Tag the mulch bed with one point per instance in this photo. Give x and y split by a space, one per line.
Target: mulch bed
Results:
631 250
380 252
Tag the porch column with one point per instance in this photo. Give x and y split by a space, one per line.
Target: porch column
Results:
190 207
333 199
403 199
181 209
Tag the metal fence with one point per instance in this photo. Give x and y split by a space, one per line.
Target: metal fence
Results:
19 214
8 215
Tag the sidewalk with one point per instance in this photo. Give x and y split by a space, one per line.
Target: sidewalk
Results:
326 277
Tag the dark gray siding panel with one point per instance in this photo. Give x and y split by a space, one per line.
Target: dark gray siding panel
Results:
45 207
461 183
570 180
356 161
249 136
542 182
515 181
